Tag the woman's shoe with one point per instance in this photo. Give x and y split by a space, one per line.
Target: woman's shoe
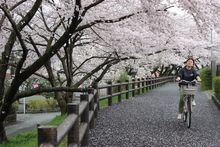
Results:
179 116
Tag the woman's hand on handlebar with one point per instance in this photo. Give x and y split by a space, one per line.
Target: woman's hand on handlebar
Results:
178 79
198 79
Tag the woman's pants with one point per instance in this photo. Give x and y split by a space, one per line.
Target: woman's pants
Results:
181 102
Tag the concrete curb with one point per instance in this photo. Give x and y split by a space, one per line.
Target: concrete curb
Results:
216 101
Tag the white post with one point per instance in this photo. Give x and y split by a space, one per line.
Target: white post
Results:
24 105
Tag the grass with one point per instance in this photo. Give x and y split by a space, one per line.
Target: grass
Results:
22 140
29 138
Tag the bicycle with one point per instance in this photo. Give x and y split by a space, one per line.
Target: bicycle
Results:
189 92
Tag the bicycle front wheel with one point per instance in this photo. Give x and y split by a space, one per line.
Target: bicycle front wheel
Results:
189 107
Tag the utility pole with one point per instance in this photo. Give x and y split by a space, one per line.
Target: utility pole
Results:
211 45
213 62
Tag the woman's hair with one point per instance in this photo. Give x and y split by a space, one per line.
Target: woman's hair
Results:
190 59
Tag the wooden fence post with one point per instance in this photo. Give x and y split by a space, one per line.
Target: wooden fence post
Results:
47 136
119 90
92 108
139 86
147 84
127 89
155 82
133 87
109 92
152 83
159 81
143 84
85 118
73 134
96 98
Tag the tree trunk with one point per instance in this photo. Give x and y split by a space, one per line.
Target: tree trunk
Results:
3 136
69 97
61 102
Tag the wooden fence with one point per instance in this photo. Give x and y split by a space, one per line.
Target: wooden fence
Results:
135 87
81 115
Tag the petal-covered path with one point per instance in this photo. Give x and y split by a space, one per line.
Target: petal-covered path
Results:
151 120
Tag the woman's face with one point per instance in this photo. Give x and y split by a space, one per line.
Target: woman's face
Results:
189 63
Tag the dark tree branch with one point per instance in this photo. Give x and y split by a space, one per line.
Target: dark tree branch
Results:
37 74
106 62
34 46
24 22
82 44
109 20
10 9
36 43
52 89
100 37
91 6
19 36
44 20
93 57
101 75
157 52
165 9
80 72
80 28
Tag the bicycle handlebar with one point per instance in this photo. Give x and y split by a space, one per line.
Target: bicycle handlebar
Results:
184 82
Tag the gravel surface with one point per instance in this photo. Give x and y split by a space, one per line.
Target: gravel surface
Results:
151 120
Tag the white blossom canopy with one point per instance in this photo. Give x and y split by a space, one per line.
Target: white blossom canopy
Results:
158 32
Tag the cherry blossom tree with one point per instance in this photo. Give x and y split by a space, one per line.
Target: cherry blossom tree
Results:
38 33
23 25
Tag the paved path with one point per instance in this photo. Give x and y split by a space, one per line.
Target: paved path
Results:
27 122
151 120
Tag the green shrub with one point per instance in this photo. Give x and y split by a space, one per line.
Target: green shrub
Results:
15 105
52 104
123 76
43 105
217 87
206 76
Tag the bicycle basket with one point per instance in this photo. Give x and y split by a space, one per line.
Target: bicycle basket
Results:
189 90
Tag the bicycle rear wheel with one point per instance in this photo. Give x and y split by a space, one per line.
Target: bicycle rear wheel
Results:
189 107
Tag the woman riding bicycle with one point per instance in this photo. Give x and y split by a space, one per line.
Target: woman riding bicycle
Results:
188 73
